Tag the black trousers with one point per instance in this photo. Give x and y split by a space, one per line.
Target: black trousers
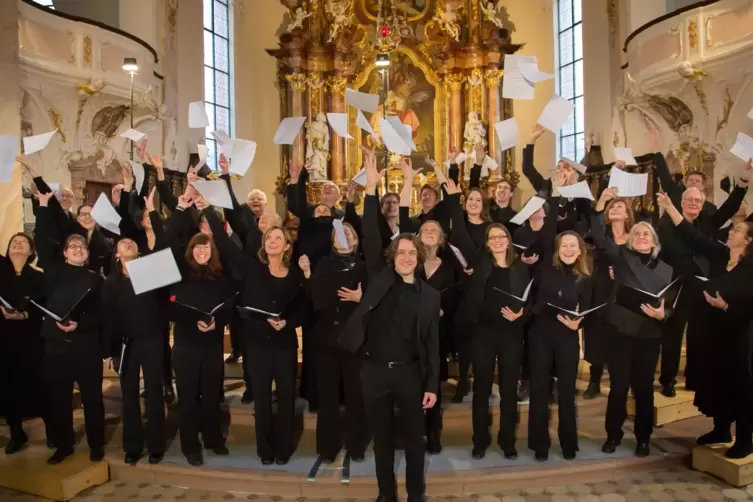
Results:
23 386
332 365
553 354
671 341
492 346
383 387
596 335
66 364
147 354
198 378
632 363
236 343
167 365
278 364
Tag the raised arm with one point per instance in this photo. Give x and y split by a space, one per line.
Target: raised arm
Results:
460 236
730 206
45 236
689 234
668 184
231 253
297 203
372 240
529 170
598 227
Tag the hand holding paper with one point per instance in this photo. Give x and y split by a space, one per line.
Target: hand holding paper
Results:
627 184
534 204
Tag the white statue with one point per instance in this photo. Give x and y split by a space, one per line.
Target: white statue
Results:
317 148
448 20
492 13
474 133
341 17
299 17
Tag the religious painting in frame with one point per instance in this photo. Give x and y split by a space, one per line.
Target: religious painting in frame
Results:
411 9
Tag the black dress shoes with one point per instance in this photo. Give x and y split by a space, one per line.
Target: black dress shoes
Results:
668 391
593 391
510 453
358 458
267 461
610 446
282 461
433 444
59 456
716 436
233 358
740 449
132 458
169 394
195 459
17 443
568 454
97 454
642 449
383 498
478 453
541 456
247 397
221 450
156 458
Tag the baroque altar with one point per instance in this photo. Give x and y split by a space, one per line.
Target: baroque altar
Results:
445 67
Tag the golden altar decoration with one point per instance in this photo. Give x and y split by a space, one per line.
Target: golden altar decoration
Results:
446 59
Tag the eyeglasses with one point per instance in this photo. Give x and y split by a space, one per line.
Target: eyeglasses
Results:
76 247
84 215
693 200
493 238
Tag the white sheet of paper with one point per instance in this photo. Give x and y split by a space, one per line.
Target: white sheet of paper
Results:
743 147
578 167
215 192
340 233
339 123
364 124
507 134
138 175
626 155
459 256
33 144
489 164
726 224
224 143
197 115
362 101
133 135
534 204
56 189
392 139
360 178
404 130
203 153
8 149
576 191
529 68
105 215
153 271
288 130
750 114
244 151
515 85
458 160
556 113
628 184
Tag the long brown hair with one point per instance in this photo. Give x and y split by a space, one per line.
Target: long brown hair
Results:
628 209
287 255
213 268
510 255
29 240
582 266
484 203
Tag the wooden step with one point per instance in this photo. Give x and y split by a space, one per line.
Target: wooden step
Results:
669 409
29 472
711 459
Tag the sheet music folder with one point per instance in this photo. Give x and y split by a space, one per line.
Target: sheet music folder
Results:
72 315
183 313
632 298
255 313
572 313
324 287
507 299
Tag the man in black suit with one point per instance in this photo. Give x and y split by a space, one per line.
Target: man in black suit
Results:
396 328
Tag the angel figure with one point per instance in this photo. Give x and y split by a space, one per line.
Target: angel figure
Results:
299 17
491 13
448 19
317 148
341 17
474 133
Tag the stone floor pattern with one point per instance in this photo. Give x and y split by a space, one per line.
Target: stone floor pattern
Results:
679 484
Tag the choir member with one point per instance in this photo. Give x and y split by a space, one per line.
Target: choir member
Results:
20 343
333 363
634 340
136 321
74 350
563 280
271 284
501 210
432 208
297 192
687 264
496 324
618 219
396 326
725 389
255 207
198 345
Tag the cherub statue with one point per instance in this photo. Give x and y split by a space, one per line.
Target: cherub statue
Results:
341 17
299 17
474 133
317 148
448 19
491 13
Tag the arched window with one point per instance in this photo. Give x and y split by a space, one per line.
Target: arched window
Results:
569 55
217 73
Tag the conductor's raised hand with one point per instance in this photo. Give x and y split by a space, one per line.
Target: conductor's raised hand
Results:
430 399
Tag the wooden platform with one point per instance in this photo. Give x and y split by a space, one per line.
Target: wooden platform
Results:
669 409
711 459
29 472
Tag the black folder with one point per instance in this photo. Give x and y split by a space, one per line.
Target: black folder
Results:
72 315
632 298
11 309
324 287
573 314
183 313
535 248
507 299
259 314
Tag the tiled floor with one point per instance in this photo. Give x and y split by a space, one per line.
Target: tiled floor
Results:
662 486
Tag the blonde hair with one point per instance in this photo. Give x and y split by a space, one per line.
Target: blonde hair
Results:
631 215
582 266
287 255
657 245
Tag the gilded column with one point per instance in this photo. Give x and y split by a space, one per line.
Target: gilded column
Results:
338 166
474 20
297 83
454 83
492 78
316 94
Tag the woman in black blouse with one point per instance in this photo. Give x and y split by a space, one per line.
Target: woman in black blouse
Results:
73 350
563 279
634 343
496 320
20 344
271 285
198 345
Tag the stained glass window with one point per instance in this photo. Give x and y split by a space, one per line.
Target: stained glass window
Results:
217 65
571 139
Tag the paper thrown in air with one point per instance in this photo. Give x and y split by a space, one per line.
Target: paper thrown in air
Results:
224 143
576 191
392 139
153 271
743 147
507 134
360 178
197 115
404 130
8 149
138 175
534 204
339 123
515 85
215 192
578 167
133 135
556 113
34 144
288 130
56 188
458 160
203 153
105 215
750 114
340 233
244 152
625 155
628 184
362 101
364 124
529 68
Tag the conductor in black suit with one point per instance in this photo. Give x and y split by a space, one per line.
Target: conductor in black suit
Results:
396 328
